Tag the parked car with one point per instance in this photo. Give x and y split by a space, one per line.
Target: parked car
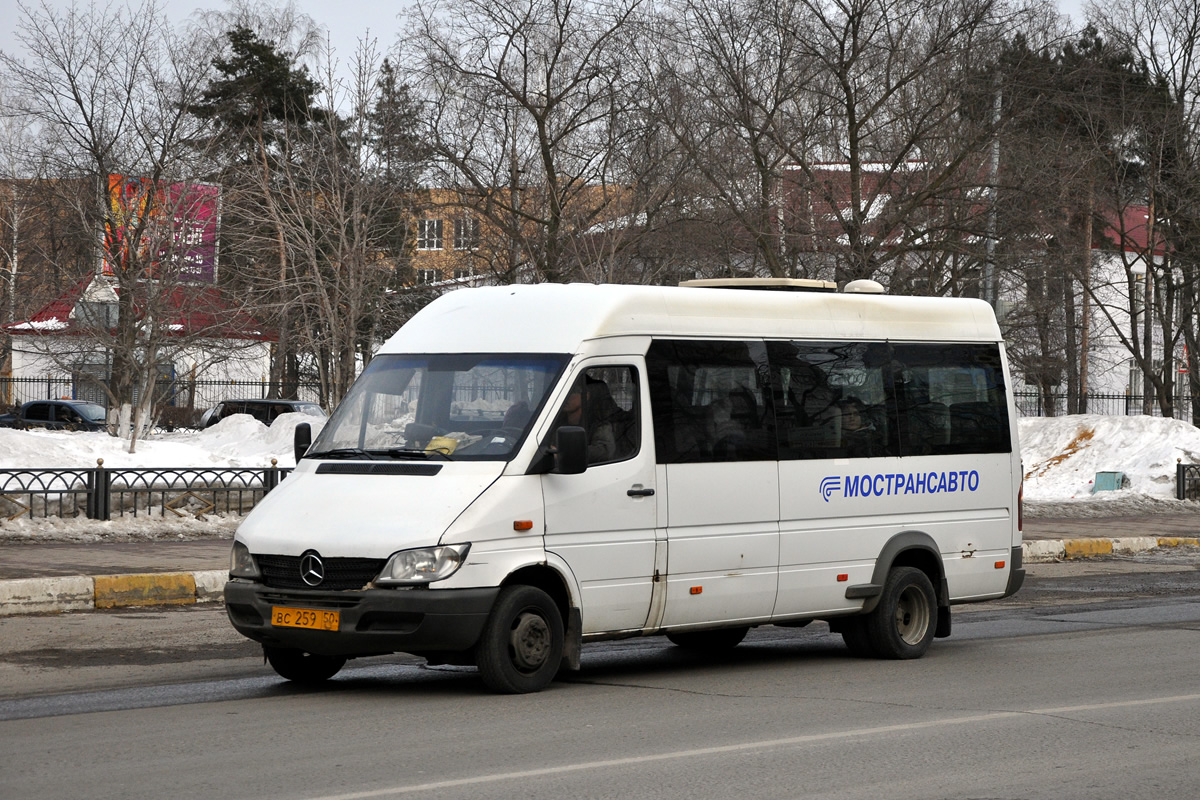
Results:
70 415
265 411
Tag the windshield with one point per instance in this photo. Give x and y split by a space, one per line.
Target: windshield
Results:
91 412
454 406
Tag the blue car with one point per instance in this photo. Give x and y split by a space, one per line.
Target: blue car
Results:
68 415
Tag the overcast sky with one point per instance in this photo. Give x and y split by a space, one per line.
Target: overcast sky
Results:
346 20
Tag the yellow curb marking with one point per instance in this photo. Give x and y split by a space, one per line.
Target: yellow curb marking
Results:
1083 548
167 589
1177 541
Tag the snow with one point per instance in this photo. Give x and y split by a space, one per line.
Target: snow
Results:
237 441
1060 456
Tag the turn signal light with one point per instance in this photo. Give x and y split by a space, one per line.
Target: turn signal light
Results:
843 577
523 525
1000 564
696 589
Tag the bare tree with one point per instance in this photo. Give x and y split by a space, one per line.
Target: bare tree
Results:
524 102
1165 35
342 202
106 91
890 78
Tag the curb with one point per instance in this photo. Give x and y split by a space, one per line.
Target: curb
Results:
77 593
80 593
1046 550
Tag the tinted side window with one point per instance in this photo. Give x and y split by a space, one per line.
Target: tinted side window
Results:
951 398
831 399
604 402
709 402
39 412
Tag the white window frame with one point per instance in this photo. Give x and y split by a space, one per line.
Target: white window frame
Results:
429 234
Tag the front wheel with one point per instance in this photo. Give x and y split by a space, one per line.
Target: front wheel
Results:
522 642
903 624
302 667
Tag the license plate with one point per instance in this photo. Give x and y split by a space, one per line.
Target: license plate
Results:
311 618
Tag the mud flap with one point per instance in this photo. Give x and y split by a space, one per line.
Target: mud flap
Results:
943 623
572 641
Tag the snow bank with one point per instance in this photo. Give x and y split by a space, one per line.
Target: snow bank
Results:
1061 456
237 441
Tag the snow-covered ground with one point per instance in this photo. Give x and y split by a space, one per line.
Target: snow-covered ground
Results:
1061 457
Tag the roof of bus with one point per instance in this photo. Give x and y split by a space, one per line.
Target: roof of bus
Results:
557 318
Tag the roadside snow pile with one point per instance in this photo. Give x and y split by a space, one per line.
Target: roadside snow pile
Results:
1061 456
237 441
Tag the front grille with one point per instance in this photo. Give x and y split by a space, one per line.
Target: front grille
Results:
283 572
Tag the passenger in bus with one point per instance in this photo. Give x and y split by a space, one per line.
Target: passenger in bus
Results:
858 433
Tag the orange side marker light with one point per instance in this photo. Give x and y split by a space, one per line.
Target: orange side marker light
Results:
843 577
1000 564
696 590
523 525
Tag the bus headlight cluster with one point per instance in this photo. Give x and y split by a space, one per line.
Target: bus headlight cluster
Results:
422 565
242 563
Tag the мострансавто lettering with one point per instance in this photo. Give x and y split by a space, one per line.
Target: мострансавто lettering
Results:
890 484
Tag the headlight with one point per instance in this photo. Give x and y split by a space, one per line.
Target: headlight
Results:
241 563
423 565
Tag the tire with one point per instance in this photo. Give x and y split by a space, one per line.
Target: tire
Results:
522 642
857 639
713 641
301 667
903 624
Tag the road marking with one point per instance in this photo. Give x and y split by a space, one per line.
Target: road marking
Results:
766 744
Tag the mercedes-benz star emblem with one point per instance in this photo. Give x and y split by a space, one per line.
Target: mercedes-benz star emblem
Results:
312 568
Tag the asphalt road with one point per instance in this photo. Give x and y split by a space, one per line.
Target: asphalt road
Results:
1084 685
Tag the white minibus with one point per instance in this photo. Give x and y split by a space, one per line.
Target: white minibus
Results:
523 469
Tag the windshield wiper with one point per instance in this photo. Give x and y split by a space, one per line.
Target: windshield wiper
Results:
342 452
411 452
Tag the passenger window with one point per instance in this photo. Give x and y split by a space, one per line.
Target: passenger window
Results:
39 412
951 399
830 399
709 402
604 402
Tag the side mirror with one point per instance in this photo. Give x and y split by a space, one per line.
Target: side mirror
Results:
570 450
303 440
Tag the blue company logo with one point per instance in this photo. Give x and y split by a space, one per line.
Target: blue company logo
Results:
890 484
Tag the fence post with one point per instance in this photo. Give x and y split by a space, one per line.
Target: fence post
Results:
1180 485
270 477
103 491
91 495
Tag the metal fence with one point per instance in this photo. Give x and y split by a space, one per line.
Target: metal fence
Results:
103 494
1031 403
180 401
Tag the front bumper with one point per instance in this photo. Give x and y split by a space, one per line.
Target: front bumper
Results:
372 621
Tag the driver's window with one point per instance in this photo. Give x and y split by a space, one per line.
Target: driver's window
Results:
604 402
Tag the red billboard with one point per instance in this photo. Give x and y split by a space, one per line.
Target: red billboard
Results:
175 226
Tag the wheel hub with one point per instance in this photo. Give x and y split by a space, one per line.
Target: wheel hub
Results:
912 616
530 642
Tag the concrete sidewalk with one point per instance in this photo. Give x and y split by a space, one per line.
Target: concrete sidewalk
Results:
60 576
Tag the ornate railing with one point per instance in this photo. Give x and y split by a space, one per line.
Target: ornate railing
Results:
102 493
1187 481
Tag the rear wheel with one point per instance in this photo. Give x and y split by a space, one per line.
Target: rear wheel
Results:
709 641
302 667
522 642
903 624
